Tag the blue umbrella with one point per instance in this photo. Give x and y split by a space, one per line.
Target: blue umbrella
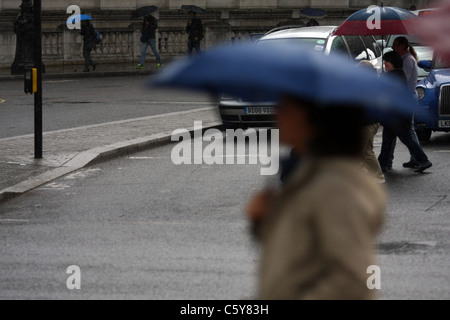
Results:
79 17
265 72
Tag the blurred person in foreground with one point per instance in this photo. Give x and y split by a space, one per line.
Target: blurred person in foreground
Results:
318 230
400 126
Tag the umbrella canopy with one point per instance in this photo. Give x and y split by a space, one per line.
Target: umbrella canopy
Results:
144 11
265 72
314 13
79 17
392 20
192 8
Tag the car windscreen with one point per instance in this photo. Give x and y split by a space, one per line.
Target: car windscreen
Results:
317 44
413 40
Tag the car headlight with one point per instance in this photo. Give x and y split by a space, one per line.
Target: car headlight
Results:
420 93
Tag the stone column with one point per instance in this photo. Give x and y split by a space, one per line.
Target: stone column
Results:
330 3
216 32
87 4
118 4
361 3
71 47
222 4
55 4
293 4
10 4
176 4
257 4
136 40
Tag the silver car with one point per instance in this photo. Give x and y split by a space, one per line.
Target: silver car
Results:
236 113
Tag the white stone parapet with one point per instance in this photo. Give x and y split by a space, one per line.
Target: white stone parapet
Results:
224 21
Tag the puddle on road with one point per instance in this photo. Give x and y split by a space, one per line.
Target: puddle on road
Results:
405 247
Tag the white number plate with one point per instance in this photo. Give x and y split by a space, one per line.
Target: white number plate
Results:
259 110
444 123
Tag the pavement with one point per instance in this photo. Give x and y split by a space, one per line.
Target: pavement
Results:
75 71
65 151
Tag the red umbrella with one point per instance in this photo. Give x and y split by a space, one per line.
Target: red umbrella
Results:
378 21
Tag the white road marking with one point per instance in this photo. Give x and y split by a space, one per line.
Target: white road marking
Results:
55 186
82 174
14 220
58 81
154 222
159 116
147 158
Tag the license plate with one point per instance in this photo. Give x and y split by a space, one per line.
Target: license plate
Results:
444 123
259 110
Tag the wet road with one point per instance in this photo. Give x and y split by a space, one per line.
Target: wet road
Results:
140 227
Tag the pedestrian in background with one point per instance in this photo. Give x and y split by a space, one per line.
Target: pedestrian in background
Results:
370 130
195 30
402 46
400 126
318 230
148 38
89 34
312 23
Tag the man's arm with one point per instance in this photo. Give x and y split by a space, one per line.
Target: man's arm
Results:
189 26
411 71
200 26
153 24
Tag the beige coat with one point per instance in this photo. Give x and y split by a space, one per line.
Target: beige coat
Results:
318 241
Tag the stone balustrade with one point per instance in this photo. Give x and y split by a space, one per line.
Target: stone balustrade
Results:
224 21
211 4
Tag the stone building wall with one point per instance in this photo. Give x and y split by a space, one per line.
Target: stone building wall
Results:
224 21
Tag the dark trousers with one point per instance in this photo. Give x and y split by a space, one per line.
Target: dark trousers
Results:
87 48
193 45
404 130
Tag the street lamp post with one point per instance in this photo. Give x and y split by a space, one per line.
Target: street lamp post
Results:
28 28
24 29
38 95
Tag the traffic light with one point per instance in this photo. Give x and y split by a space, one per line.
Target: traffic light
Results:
30 79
